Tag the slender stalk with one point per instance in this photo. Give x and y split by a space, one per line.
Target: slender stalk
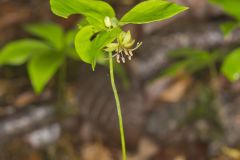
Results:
124 154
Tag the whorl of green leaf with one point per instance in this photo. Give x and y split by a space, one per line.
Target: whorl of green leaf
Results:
43 57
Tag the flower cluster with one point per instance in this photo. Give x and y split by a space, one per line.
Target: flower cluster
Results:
123 48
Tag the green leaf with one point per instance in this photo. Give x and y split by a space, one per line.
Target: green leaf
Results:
89 49
228 27
41 69
50 32
231 65
94 62
99 25
95 9
229 6
18 52
106 37
103 39
82 23
83 44
150 11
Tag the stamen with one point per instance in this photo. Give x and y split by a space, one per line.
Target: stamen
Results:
126 52
123 60
130 52
115 55
138 45
121 53
118 58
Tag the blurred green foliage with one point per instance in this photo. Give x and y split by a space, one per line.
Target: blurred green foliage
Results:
231 7
231 66
191 60
44 55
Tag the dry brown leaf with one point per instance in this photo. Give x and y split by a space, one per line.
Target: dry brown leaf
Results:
146 149
95 152
157 87
176 91
25 99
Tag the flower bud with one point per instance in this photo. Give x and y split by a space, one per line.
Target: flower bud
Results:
107 22
127 38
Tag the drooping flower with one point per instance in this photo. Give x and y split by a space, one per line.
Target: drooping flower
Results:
123 48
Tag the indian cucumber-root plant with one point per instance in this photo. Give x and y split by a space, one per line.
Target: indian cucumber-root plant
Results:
103 35
44 56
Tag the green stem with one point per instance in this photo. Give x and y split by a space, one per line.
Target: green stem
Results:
124 154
